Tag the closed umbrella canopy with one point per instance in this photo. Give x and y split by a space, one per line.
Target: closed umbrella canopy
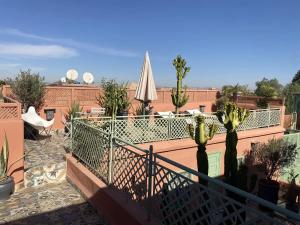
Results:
146 90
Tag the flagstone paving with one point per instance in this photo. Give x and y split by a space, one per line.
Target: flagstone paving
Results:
47 197
49 204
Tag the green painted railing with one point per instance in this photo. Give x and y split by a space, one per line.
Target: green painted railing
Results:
169 197
142 129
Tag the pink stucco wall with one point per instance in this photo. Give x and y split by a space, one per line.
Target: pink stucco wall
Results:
111 203
14 130
184 150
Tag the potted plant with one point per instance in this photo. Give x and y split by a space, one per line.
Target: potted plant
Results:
272 157
292 203
114 98
6 182
73 112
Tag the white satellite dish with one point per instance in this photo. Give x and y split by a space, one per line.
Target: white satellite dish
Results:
72 74
88 78
63 80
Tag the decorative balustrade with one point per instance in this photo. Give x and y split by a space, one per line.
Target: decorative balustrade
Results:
10 109
140 129
169 197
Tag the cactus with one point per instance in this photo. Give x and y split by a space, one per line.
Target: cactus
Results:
179 97
232 116
4 160
201 137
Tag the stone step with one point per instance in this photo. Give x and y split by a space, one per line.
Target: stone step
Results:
41 175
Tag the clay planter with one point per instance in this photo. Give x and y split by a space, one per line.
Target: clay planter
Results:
6 188
268 190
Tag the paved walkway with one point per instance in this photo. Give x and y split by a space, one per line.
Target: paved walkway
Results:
49 204
48 198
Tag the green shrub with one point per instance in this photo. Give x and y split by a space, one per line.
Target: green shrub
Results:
114 97
73 111
29 89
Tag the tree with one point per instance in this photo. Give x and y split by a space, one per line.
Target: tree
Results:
288 92
268 88
29 89
296 78
179 97
229 90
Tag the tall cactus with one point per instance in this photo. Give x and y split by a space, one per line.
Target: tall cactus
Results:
4 160
201 137
232 116
179 97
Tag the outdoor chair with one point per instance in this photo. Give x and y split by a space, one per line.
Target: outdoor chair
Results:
98 111
194 112
37 122
165 115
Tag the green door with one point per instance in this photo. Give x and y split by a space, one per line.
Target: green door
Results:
214 163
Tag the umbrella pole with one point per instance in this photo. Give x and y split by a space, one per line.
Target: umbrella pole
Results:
144 106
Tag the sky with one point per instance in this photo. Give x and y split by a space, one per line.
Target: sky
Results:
224 41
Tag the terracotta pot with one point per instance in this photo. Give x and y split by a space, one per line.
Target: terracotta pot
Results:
268 190
6 188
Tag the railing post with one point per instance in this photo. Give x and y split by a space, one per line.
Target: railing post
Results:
71 131
269 117
110 156
169 128
150 175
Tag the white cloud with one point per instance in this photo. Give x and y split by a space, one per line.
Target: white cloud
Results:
29 50
73 43
9 65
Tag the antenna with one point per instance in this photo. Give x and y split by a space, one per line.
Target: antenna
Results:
72 74
88 78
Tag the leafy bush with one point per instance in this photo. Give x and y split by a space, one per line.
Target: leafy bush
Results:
273 157
262 103
73 111
221 102
29 89
114 97
139 110
268 88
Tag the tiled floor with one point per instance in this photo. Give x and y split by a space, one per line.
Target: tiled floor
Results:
49 204
56 203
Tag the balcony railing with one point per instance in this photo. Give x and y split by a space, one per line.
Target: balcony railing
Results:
142 129
10 109
169 197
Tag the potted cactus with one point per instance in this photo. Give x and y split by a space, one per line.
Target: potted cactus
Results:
201 137
231 116
6 182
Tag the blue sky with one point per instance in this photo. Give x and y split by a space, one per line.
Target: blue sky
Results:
224 42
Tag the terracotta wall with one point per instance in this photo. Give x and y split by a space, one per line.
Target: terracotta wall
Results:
184 151
250 102
61 97
12 125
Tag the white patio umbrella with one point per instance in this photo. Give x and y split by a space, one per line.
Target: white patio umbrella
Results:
146 90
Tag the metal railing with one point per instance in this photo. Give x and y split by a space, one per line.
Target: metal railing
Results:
169 197
142 129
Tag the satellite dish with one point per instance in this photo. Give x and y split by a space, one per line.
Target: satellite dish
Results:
63 80
72 74
88 78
